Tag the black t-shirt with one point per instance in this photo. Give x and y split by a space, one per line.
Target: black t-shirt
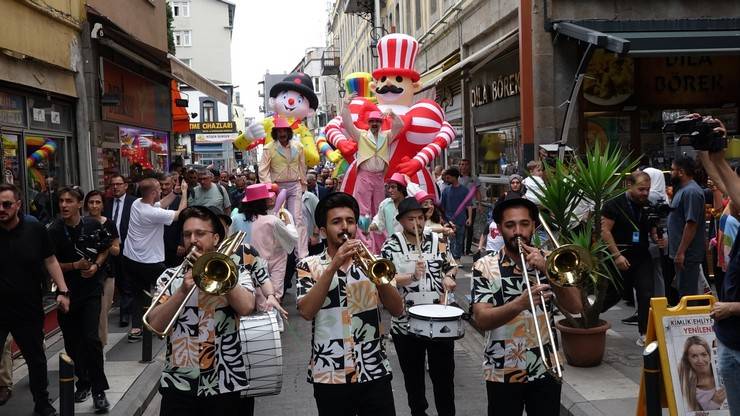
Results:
728 330
66 241
628 218
22 270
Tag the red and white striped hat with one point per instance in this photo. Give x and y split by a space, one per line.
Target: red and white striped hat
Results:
397 53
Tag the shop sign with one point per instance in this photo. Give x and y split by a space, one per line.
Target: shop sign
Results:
689 80
213 127
215 138
141 102
180 148
11 109
504 86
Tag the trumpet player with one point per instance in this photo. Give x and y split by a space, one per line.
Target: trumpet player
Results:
426 274
349 368
205 368
513 367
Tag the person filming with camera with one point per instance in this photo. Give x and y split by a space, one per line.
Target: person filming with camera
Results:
710 142
625 227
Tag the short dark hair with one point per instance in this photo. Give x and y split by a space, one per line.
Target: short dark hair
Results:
5 187
332 201
116 175
687 164
452 171
204 214
91 194
502 206
636 177
75 191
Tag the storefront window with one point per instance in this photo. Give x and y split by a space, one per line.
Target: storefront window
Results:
498 153
611 129
46 157
10 158
142 150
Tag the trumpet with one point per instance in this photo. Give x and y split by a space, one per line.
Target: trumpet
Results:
214 273
555 369
380 271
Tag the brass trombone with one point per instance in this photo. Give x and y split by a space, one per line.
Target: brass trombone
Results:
556 372
380 271
214 273
568 265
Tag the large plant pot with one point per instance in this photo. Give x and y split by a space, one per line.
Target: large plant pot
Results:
583 347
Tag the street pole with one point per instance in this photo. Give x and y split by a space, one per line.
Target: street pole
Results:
651 371
66 385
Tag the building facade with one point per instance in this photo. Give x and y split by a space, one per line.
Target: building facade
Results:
202 32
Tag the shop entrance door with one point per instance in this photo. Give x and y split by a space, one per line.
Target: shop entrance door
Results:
11 156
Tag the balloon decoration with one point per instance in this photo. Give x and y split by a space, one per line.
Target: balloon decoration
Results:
280 201
138 151
46 147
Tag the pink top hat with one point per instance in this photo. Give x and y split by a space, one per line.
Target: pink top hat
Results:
397 178
375 115
422 195
280 123
256 192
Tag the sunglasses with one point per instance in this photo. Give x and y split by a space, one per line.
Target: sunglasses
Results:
7 204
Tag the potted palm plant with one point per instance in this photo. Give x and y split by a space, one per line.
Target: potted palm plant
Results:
572 202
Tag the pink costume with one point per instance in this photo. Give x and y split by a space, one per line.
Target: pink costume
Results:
273 240
425 133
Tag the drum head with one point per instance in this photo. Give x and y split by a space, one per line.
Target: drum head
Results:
436 311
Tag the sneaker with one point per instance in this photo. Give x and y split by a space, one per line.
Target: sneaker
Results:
44 409
134 335
640 341
5 393
81 395
632 320
100 402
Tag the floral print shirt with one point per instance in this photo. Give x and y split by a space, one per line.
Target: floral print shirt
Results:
204 352
438 263
511 352
255 265
346 343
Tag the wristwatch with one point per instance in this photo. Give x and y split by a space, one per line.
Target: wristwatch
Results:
64 293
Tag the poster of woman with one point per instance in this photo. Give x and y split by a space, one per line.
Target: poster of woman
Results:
692 349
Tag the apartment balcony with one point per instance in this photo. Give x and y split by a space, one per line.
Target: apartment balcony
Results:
330 61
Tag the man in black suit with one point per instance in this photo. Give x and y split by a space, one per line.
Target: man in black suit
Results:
118 209
313 186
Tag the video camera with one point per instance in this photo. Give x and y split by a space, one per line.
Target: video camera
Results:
699 131
655 213
97 241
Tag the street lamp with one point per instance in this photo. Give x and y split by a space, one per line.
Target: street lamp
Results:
341 91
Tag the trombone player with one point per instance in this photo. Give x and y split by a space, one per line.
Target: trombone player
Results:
513 367
205 368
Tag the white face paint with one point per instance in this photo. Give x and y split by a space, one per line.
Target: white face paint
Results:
291 104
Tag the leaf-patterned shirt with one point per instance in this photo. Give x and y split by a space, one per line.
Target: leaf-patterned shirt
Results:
204 352
346 342
255 265
511 352
437 255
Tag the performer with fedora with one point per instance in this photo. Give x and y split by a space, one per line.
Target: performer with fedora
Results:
349 367
426 274
283 163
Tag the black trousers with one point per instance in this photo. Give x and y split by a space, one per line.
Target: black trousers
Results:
29 335
469 233
142 277
123 285
640 276
180 404
540 397
411 353
373 398
82 343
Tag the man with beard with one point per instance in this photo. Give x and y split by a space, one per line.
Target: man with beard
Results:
283 162
206 368
118 208
686 235
173 249
344 305
501 307
625 228
26 255
82 263
469 181
425 274
143 256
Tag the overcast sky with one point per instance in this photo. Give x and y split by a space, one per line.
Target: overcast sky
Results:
272 35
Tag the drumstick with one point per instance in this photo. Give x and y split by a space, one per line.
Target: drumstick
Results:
416 233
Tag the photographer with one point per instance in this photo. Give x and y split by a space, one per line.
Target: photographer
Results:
625 227
726 312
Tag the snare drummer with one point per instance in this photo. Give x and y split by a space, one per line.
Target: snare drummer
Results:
513 369
205 369
349 367
424 276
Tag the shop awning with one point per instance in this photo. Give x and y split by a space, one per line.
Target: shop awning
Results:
186 75
654 42
180 116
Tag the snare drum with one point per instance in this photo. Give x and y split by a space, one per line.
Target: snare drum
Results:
260 338
436 322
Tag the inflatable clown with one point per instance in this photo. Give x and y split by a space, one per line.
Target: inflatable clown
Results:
425 132
293 99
